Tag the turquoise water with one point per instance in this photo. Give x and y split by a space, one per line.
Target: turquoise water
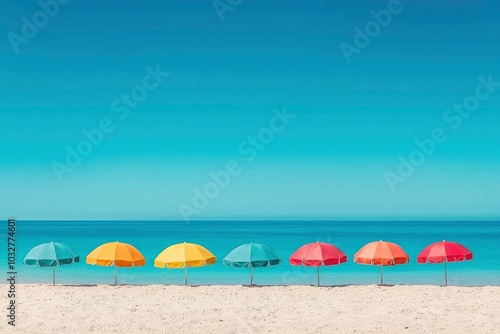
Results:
482 238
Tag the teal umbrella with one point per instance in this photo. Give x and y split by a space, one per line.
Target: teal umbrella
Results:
51 254
251 256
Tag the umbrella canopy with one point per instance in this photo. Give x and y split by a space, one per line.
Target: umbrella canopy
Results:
116 254
51 254
184 255
317 254
252 256
381 253
444 252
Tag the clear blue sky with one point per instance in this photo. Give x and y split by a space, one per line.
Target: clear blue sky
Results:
353 120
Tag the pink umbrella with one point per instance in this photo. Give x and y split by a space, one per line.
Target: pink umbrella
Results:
444 252
317 254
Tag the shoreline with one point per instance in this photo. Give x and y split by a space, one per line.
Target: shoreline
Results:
248 286
256 309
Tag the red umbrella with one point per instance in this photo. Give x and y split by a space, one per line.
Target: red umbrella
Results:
317 254
444 252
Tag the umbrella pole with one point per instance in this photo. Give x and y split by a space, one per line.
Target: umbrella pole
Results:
445 273
251 276
116 273
318 276
54 275
381 275
185 275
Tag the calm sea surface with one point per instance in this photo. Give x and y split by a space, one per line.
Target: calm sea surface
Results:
482 238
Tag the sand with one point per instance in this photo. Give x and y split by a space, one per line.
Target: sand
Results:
239 309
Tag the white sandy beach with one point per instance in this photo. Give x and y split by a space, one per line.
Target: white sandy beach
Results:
238 309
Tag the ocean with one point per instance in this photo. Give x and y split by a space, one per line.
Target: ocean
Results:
220 237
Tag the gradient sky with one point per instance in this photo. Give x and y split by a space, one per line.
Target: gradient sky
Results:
353 120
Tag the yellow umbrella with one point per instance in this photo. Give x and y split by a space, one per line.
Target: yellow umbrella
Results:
116 254
184 255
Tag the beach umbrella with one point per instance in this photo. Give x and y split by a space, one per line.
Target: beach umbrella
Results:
184 255
116 254
251 256
317 254
444 252
51 254
381 253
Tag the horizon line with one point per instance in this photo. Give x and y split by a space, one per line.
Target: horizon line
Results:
266 220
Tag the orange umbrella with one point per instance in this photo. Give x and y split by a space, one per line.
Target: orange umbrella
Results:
381 253
116 254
